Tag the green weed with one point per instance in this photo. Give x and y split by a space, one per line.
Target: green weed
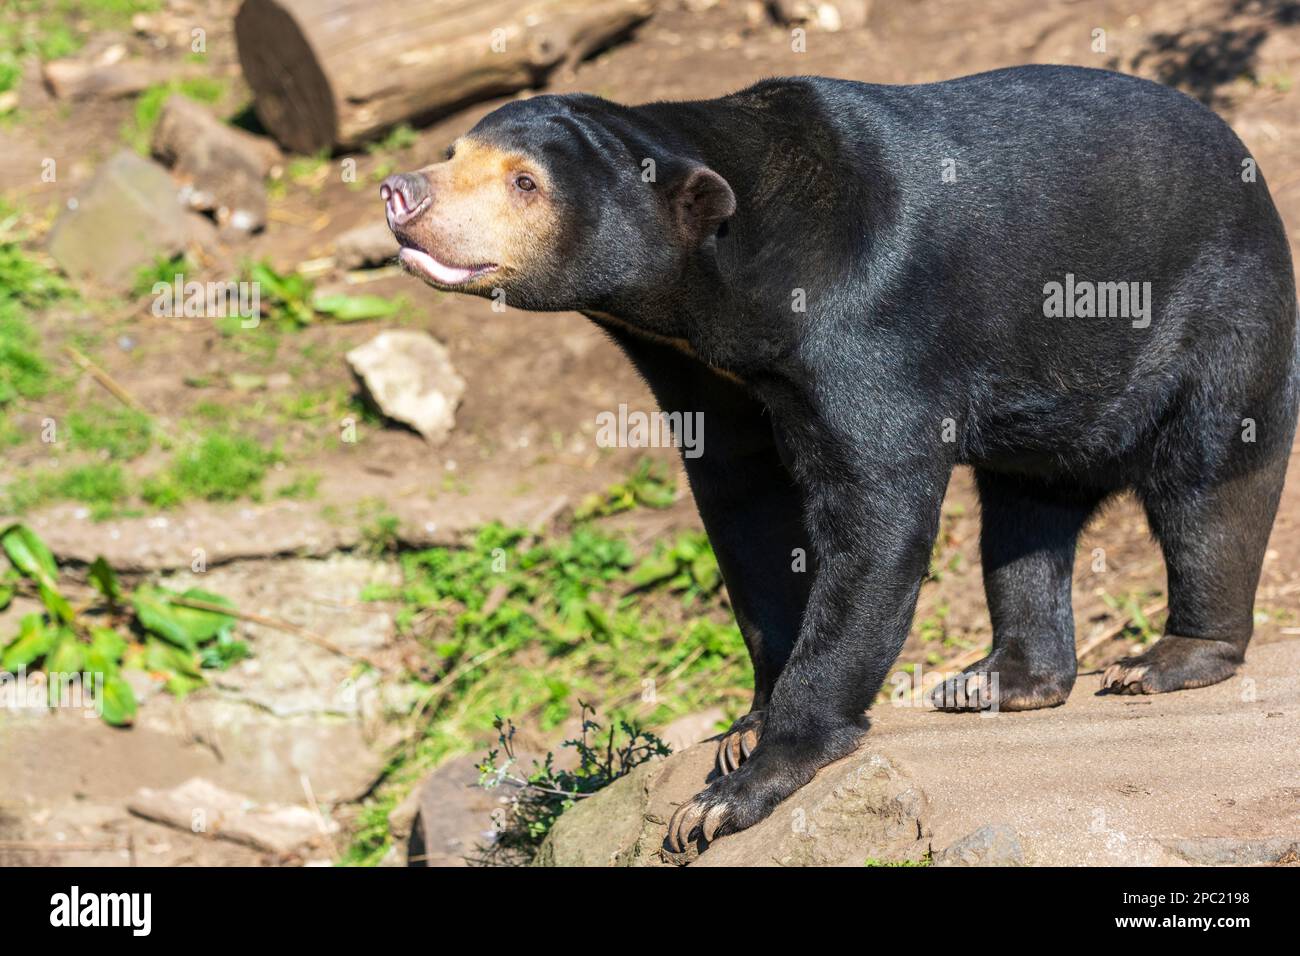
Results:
218 467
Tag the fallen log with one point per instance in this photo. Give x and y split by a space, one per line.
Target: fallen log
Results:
336 73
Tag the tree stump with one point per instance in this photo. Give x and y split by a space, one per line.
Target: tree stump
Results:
336 73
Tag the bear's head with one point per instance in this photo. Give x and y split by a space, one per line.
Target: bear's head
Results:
559 203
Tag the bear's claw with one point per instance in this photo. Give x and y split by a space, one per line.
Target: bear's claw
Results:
739 742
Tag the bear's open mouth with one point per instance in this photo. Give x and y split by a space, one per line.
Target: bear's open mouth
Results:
440 273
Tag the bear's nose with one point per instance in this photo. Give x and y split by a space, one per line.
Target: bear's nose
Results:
404 195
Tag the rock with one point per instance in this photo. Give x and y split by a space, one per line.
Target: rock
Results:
1232 851
224 168
689 730
410 378
107 75
450 816
200 806
828 15
987 846
294 711
858 809
126 217
1206 777
369 245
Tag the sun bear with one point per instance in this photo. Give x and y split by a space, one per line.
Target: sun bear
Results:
1071 280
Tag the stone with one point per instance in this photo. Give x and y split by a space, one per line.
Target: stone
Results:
858 809
104 79
200 806
828 15
369 245
1234 851
223 168
410 379
126 217
450 816
689 730
991 845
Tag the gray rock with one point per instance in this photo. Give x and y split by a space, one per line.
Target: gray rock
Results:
410 379
689 730
103 78
449 816
1232 851
369 245
828 15
200 806
992 845
223 168
858 809
127 216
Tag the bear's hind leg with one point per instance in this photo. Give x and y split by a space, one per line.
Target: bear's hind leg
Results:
1028 533
1213 537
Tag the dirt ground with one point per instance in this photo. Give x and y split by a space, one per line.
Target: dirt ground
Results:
524 439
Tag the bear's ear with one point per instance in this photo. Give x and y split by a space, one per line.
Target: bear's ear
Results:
701 202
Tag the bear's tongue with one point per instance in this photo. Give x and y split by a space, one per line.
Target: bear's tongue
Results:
438 271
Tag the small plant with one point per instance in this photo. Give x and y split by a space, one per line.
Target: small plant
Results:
542 795
163 269
219 467
150 628
101 486
25 284
119 432
1139 628
651 485
291 302
876 861
687 565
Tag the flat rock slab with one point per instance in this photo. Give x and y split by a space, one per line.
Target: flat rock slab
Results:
223 533
1210 776
857 810
294 716
128 215
199 806
1202 776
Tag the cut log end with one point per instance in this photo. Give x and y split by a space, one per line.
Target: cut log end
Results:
294 101
338 73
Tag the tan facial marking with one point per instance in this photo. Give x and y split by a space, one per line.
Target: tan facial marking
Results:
479 215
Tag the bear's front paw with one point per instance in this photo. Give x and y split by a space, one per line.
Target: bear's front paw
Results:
730 804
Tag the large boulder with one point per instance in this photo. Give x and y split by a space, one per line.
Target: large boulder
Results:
858 810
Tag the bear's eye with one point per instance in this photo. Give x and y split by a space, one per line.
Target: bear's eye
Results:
525 183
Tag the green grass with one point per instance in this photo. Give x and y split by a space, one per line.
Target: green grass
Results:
163 269
215 466
121 433
44 28
525 628
104 487
219 466
25 285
